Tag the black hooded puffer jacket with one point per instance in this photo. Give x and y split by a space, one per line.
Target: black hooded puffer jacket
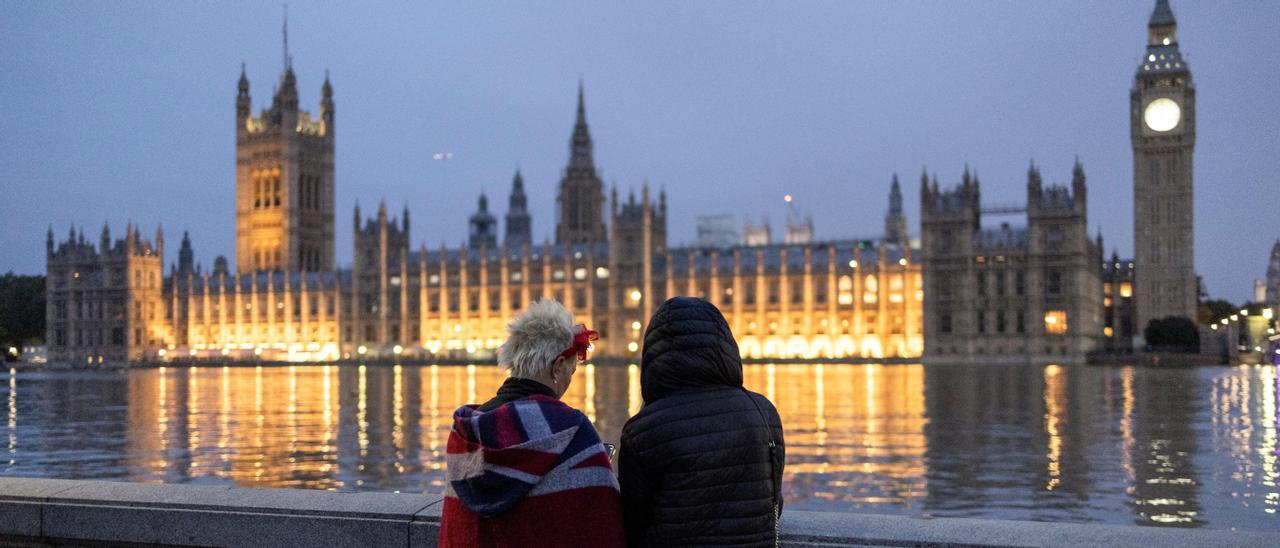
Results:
694 463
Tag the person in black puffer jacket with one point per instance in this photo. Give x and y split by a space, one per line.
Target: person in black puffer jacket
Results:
701 463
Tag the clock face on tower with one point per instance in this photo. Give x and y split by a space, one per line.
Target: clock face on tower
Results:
1162 114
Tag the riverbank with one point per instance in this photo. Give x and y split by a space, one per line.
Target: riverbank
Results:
406 362
43 512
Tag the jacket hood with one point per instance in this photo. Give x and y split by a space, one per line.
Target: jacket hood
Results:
496 458
688 345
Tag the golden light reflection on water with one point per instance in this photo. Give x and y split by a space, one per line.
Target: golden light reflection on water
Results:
1188 447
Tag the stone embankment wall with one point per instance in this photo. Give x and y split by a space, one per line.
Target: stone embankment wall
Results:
46 512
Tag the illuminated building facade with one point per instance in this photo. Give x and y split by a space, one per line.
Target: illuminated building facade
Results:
1006 294
104 303
284 181
286 301
1120 323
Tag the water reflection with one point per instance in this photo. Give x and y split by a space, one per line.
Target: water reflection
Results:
1185 447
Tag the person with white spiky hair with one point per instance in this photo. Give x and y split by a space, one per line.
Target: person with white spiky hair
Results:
524 459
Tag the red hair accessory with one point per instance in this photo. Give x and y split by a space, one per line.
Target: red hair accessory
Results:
581 343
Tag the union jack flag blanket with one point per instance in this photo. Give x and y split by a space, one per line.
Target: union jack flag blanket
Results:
531 472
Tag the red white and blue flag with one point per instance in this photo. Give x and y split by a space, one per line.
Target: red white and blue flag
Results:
532 472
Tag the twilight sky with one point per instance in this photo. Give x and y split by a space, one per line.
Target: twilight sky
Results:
126 111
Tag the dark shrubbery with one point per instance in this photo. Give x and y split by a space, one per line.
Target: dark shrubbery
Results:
21 311
1172 334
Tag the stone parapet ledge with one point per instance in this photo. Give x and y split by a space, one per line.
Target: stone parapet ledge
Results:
41 512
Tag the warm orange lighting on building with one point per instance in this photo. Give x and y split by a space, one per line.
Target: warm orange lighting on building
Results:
1055 322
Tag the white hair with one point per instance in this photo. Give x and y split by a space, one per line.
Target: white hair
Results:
535 338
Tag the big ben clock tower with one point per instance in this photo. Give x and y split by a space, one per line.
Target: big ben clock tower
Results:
1162 121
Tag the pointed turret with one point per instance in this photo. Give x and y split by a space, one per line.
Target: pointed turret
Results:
1162 14
326 101
104 241
580 155
895 222
243 102
1078 190
186 257
519 232
483 227
404 221
48 241
355 218
580 201
895 196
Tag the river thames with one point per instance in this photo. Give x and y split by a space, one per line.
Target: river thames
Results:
1194 447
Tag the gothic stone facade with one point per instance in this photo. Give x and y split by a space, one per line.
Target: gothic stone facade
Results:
286 301
105 304
1163 131
1009 294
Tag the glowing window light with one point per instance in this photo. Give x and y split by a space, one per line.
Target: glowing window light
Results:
397 349
602 272
1126 290
1107 331
1055 322
635 325
580 273
636 295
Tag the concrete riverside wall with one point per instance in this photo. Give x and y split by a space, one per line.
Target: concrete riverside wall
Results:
48 512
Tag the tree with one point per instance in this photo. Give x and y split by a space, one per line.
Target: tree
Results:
1213 310
1172 334
21 311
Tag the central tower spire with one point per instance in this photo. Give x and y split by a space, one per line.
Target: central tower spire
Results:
580 204
285 31
580 143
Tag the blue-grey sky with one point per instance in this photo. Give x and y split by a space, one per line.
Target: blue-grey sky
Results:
117 111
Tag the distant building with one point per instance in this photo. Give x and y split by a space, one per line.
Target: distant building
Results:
1024 294
719 231
1118 305
799 228
754 234
1273 278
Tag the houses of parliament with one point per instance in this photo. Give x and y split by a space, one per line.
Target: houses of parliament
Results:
287 300
963 291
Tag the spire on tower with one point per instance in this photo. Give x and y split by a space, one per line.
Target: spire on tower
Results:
285 31
895 196
1162 14
580 143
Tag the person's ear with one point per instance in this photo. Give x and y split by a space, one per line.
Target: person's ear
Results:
557 367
